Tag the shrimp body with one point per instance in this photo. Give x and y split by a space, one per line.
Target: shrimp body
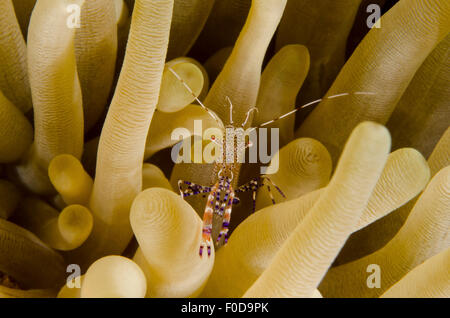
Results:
230 150
221 196
220 201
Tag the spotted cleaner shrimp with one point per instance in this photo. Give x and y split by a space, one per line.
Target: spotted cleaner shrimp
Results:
222 195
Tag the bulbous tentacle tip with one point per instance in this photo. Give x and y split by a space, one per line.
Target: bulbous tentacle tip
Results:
114 276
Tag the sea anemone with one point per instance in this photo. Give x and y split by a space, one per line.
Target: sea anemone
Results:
93 91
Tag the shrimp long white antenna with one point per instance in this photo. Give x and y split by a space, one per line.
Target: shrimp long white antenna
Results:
210 113
248 115
310 104
231 109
